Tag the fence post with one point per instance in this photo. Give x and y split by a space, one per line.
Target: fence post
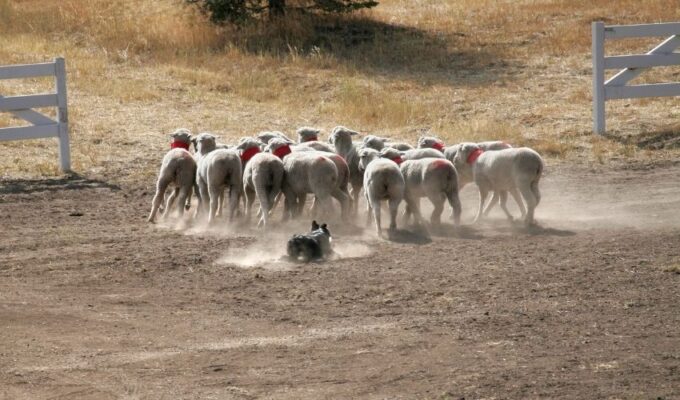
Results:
62 115
598 78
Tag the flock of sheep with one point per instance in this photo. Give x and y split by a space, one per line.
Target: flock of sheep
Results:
270 166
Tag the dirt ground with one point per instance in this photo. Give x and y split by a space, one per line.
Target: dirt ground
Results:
95 303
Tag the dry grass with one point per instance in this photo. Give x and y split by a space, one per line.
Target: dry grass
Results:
466 70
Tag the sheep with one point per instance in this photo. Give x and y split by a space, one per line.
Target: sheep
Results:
415 154
308 172
434 178
309 137
266 136
465 175
382 181
450 151
262 177
179 168
219 169
514 170
378 143
307 134
341 138
282 149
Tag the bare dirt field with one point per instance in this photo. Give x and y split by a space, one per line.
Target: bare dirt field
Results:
95 303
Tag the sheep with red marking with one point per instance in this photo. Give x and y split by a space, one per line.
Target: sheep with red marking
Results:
379 143
309 138
382 181
218 170
515 171
262 178
266 136
432 142
179 168
307 172
415 154
434 178
341 138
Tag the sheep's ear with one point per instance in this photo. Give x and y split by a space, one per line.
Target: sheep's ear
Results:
315 226
383 139
194 140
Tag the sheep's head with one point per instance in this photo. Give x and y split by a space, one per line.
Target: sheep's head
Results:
205 143
430 142
181 138
266 136
247 148
340 133
307 134
366 155
246 143
375 142
392 154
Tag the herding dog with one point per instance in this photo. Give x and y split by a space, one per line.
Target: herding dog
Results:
314 246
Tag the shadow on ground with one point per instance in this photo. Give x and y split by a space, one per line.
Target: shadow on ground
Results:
664 138
389 50
69 182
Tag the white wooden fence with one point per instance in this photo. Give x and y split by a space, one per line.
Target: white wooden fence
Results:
632 65
21 106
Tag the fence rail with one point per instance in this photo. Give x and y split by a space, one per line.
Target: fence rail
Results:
631 65
21 107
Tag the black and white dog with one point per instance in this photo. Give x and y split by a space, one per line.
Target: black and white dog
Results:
313 246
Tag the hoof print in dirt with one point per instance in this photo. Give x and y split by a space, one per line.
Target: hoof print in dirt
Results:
313 246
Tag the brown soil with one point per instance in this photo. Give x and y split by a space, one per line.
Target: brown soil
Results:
95 303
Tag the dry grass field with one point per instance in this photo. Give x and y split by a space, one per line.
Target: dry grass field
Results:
96 303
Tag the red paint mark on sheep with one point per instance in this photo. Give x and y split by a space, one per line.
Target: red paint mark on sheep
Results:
436 164
178 144
439 146
282 151
474 156
398 160
246 155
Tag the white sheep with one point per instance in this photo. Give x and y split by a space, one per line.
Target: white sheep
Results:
307 134
382 181
434 178
282 149
514 170
266 136
415 154
307 172
262 178
433 142
218 170
341 138
309 138
179 168
465 175
378 143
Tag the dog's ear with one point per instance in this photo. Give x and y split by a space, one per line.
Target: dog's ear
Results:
324 228
315 226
